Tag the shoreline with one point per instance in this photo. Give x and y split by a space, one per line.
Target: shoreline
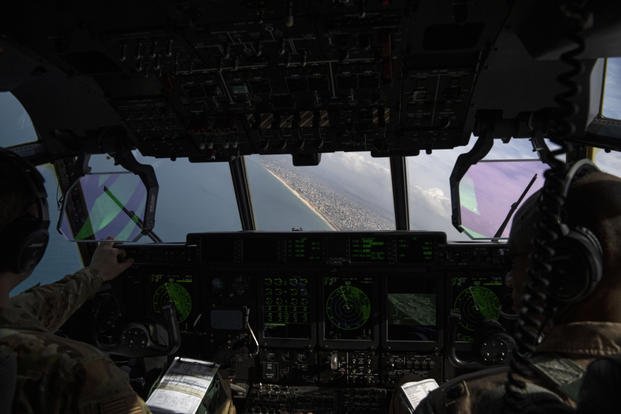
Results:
302 199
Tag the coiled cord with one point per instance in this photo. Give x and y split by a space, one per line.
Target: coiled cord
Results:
536 303
537 306
577 19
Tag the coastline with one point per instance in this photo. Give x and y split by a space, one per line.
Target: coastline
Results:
306 203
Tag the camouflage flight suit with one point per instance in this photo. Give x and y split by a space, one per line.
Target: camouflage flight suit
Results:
55 374
482 392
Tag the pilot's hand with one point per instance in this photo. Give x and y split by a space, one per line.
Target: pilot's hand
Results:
106 260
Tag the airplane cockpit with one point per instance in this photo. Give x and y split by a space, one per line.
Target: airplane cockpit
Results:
317 195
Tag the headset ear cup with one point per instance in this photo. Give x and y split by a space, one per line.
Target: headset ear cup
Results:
578 264
23 241
595 256
11 240
23 244
32 250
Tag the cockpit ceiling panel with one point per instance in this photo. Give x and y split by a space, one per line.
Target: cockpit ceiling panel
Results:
212 80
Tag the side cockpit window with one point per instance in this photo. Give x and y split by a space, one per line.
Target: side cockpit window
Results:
61 257
15 124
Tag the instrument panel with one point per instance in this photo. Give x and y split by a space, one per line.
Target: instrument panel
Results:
330 309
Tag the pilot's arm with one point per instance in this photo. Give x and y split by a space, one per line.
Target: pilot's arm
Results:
53 304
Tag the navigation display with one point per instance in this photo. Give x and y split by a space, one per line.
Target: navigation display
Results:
286 307
411 308
476 299
172 288
348 308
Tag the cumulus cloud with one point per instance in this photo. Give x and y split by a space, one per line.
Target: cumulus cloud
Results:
436 199
430 210
359 162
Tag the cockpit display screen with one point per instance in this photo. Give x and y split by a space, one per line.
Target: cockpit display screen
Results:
172 288
476 300
260 250
348 308
286 307
411 308
417 249
368 250
219 251
304 250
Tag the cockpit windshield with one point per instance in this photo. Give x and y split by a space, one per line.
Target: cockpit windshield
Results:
192 196
15 124
61 256
345 192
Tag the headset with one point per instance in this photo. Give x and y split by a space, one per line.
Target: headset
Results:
24 240
577 261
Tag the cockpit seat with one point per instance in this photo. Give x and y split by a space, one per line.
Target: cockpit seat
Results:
8 379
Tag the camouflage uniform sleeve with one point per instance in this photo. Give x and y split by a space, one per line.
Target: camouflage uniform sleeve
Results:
51 305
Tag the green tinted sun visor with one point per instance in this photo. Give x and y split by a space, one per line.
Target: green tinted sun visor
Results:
491 191
98 206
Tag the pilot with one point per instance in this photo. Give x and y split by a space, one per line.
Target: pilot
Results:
584 331
41 372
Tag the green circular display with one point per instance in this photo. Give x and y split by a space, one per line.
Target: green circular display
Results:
476 304
175 293
348 308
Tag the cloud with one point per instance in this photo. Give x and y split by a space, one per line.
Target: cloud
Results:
431 211
434 201
359 162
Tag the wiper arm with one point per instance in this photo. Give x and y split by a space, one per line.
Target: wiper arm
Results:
132 216
514 207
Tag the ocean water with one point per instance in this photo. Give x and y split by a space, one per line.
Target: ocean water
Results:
192 198
276 208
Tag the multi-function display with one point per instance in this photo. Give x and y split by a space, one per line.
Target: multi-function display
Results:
349 307
411 308
286 307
